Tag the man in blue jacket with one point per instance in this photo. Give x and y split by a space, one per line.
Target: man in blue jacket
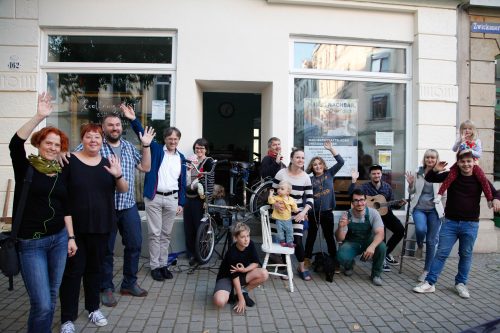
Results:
164 194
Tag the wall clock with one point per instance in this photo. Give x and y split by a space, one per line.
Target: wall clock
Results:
226 109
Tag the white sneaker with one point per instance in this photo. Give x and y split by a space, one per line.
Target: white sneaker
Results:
462 290
98 318
421 277
424 287
68 327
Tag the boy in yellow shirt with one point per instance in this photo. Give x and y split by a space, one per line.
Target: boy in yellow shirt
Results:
284 217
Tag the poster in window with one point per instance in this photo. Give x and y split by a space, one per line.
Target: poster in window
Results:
336 120
385 159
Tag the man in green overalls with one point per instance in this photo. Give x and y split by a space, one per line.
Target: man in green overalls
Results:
361 231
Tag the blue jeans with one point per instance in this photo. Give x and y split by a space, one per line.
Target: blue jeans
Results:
42 264
466 233
129 225
427 224
284 230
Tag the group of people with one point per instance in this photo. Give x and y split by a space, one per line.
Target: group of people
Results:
79 201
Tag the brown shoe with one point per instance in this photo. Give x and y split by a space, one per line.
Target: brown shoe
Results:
135 290
107 298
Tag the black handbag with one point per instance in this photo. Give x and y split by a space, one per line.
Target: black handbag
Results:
9 260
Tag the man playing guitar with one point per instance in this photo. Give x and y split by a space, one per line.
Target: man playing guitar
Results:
375 187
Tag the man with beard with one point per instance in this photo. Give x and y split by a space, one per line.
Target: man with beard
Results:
129 221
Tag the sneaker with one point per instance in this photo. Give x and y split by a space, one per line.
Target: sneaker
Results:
248 301
68 327
424 287
421 277
419 252
462 290
386 268
98 318
135 290
107 298
389 259
376 280
157 275
166 273
348 272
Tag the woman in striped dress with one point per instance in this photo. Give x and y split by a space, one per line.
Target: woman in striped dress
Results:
303 194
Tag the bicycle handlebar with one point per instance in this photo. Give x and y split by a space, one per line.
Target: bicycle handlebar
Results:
189 163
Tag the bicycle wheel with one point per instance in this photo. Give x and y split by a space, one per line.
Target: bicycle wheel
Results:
259 197
205 240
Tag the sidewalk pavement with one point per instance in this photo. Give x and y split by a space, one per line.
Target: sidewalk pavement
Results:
349 304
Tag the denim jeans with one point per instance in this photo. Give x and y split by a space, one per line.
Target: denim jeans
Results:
42 265
466 233
129 225
284 230
427 224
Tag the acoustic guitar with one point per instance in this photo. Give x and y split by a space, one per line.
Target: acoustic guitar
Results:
379 203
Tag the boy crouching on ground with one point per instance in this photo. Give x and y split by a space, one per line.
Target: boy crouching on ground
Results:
239 270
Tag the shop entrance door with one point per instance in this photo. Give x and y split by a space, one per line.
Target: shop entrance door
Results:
232 126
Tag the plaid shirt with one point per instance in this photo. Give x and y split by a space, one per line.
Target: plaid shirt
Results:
130 159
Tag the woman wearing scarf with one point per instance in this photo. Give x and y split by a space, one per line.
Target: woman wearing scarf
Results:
46 235
273 162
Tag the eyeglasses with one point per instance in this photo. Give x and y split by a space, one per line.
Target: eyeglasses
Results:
199 148
358 200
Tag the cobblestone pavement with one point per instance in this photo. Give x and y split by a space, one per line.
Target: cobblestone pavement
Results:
349 304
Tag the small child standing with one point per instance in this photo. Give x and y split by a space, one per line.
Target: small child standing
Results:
284 217
239 270
467 140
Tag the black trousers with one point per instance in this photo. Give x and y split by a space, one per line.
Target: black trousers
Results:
86 263
392 223
193 213
326 220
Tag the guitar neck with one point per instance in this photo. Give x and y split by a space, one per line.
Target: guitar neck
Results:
388 203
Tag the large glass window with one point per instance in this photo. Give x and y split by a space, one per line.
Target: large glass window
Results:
90 75
107 49
351 104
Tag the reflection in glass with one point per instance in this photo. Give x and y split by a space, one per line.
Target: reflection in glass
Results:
376 107
340 57
110 49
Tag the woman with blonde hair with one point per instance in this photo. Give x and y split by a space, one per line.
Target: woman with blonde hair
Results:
425 211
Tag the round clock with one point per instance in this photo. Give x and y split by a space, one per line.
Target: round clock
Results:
226 109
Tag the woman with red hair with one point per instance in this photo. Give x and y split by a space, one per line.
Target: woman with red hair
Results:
45 237
92 181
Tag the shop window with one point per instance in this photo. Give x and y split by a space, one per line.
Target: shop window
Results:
91 75
344 57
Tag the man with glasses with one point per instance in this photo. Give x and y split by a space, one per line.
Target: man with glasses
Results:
375 187
361 231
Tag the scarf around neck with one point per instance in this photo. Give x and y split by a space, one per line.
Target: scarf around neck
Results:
43 165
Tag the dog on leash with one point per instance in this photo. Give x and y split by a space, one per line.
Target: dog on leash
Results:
323 263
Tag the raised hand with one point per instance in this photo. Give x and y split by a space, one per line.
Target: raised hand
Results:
354 175
344 221
440 166
410 178
128 111
44 108
148 136
114 168
328 144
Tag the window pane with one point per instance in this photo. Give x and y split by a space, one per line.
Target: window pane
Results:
341 57
84 98
110 49
365 121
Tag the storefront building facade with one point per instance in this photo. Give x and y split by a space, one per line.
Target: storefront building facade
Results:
379 77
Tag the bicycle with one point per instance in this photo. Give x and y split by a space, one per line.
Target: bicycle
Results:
238 185
211 231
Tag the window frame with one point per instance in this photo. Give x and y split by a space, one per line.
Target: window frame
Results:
383 77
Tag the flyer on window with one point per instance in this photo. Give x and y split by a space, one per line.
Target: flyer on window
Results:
336 120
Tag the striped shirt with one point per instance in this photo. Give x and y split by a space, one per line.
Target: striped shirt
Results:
130 158
302 192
